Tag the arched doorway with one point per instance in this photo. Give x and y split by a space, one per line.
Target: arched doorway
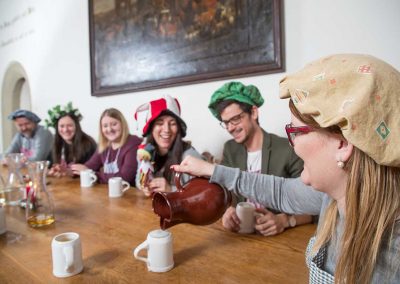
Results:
15 94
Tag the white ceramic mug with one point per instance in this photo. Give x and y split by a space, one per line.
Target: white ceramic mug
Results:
159 251
3 227
88 178
246 213
117 186
67 254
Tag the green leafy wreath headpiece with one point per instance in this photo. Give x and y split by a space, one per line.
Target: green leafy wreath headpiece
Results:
57 112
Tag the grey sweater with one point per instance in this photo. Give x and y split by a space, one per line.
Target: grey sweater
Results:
36 148
294 197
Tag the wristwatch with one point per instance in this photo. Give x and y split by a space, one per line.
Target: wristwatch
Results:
292 221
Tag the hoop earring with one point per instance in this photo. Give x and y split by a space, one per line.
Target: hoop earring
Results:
340 164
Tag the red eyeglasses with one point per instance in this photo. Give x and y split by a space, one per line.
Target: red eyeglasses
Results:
293 131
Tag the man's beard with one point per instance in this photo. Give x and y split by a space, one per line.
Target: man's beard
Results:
27 134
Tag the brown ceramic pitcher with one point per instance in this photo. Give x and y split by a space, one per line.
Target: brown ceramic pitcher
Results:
198 202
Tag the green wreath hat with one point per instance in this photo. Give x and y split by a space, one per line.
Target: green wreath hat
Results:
58 111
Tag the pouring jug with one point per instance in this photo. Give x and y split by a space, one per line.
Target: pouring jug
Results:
198 202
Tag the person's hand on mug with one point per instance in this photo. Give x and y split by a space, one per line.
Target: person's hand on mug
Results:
194 167
230 220
268 223
77 168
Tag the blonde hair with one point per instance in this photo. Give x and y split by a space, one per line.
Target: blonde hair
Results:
116 114
372 207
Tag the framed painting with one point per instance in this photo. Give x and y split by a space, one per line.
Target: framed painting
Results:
146 44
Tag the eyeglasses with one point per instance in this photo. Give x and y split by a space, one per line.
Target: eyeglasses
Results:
234 120
293 131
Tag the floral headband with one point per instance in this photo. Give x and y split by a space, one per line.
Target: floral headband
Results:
57 112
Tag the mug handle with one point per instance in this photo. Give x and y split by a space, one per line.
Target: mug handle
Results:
125 185
144 245
177 180
69 258
93 178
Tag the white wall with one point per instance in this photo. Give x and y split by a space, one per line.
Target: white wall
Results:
52 43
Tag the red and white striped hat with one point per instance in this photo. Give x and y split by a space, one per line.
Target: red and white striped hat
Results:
156 108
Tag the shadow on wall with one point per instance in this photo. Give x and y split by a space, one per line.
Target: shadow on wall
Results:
15 94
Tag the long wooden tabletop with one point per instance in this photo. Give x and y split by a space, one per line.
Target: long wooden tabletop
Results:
111 228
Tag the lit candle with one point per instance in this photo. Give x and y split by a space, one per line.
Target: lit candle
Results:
28 188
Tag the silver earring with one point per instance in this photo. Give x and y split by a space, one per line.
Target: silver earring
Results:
340 164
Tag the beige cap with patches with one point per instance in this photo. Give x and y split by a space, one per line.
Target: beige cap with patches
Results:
359 93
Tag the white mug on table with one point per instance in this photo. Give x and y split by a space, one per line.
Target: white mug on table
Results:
88 178
246 213
117 186
159 251
66 254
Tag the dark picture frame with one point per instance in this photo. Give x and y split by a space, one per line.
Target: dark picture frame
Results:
137 45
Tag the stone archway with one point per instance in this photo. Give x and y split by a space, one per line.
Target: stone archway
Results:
15 94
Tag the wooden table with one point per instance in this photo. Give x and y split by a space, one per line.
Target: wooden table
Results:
111 228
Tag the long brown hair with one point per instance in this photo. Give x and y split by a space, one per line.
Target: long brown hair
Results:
81 148
116 114
372 207
174 156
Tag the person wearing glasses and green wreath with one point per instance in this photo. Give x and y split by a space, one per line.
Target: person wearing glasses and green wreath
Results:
252 149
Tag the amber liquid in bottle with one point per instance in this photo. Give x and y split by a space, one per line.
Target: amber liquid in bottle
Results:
39 209
41 220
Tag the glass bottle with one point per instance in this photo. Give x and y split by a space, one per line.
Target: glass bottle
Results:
15 186
39 205
2 185
2 192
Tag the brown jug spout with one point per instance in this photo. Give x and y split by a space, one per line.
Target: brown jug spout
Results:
162 207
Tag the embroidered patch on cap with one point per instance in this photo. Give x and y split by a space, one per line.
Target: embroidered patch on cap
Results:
383 130
366 69
300 96
319 77
345 105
